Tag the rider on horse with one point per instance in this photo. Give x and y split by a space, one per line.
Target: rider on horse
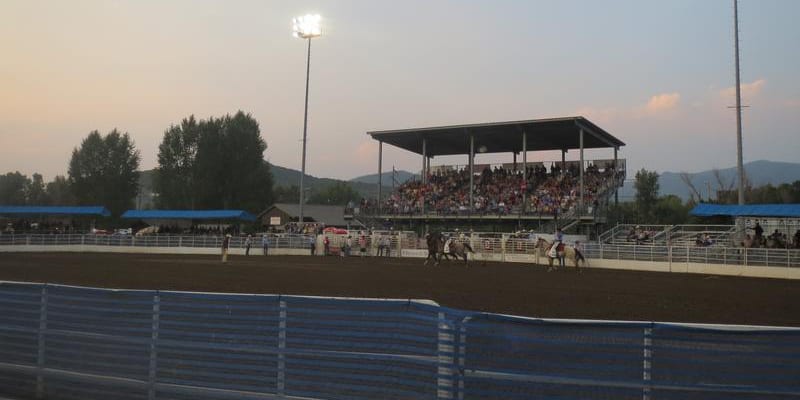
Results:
558 243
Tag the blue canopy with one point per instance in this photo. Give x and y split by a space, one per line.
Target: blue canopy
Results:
189 214
60 211
752 210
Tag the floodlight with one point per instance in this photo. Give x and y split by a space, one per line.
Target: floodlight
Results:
307 26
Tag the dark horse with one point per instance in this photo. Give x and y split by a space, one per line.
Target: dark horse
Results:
436 246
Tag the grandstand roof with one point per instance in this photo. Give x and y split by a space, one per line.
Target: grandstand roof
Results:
189 214
752 210
59 211
500 137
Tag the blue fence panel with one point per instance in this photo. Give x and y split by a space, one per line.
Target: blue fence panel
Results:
220 341
510 357
20 311
724 362
360 349
61 342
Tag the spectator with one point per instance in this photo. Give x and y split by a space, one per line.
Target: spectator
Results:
226 241
265 243
247 242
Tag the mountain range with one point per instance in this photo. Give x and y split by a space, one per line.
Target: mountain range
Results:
759 173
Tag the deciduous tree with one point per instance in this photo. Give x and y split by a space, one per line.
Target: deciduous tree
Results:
104 171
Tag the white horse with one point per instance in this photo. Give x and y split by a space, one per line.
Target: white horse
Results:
563 252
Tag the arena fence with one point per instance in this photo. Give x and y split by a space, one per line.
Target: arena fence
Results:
492 247
64 342
289 241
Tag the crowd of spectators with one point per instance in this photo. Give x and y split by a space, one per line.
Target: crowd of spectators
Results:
501 191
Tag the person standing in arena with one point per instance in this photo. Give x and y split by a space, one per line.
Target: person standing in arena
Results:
247 243
226 242
265 243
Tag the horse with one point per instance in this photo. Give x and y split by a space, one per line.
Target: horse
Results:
563 252
436 244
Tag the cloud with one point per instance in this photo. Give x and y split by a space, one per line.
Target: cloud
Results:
749 90
662 103
367 151
658 105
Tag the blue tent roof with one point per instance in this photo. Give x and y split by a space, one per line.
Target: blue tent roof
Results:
189 214
752 210
62 211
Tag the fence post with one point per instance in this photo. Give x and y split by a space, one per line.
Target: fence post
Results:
461 355
40 360
281 382
647 361
669 257
445 351
151 380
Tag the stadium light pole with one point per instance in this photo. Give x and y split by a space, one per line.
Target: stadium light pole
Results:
305 27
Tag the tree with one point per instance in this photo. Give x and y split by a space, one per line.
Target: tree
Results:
287 194
214 163
176 174
337 194
646 191
59 192
12 189
35 192
104 171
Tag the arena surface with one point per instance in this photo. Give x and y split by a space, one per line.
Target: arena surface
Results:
494 287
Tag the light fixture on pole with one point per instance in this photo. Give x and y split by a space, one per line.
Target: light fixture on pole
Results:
306 27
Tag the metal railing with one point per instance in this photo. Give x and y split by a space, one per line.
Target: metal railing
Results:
787 258
63 342
282 241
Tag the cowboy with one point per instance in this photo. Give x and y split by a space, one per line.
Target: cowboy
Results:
558 239
247 242
226 242
447 242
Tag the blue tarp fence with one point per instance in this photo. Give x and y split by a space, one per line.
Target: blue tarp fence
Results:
750 210
64 342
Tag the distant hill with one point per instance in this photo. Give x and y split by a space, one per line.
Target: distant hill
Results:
759 173
386 178
287 177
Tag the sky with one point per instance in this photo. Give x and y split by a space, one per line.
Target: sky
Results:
658 75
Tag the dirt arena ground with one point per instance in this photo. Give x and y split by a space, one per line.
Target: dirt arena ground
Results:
495 287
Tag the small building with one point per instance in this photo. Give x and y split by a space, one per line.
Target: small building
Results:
280 214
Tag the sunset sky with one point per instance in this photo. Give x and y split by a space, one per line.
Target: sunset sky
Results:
658 75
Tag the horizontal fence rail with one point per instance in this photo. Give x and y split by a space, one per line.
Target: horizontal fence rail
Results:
496 248
63 342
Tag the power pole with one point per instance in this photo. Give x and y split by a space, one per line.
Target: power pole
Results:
739 164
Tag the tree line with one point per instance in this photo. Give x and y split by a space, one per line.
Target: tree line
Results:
202 164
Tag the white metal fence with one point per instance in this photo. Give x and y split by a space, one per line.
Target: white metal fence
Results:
495 246
287 241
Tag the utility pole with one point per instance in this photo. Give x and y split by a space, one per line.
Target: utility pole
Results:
739 164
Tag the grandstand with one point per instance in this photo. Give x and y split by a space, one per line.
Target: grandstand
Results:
539 195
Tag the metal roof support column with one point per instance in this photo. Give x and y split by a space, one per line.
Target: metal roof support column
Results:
471 172
581 173
616 171
563 160
424 177
524 171
424 169
380 173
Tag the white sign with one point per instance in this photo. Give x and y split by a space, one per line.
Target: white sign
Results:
274 220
